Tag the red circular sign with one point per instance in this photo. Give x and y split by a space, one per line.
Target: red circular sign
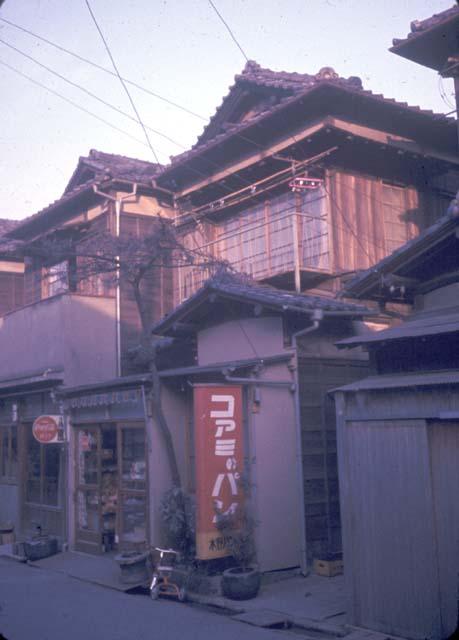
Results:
45 429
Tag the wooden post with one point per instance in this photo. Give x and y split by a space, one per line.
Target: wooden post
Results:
296 253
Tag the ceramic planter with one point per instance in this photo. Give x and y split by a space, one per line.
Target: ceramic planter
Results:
241 584
133 567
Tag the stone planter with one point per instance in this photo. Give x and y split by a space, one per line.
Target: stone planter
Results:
7 533
133 565
40 547
241 584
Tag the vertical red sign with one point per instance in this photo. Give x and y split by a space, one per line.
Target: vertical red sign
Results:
219 462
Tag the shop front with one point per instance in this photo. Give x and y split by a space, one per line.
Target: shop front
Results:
110 483
109 466
32 469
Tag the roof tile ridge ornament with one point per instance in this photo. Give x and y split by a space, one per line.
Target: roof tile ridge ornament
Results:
251 65
326 73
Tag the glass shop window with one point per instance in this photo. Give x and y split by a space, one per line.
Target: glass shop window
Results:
8 453
42 472
133 459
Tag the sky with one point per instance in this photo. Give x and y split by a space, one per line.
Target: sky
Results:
180 50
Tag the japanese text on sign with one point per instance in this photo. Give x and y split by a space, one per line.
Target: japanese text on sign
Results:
219 462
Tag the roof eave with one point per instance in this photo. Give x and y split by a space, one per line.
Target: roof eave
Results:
364 286
420 46
187 308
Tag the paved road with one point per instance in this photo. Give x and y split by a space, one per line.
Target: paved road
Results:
38 604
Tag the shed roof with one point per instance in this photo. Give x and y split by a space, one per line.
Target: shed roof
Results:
246 291
402 380
416 326
365 284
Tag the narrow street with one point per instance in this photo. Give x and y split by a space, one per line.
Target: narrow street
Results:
45 605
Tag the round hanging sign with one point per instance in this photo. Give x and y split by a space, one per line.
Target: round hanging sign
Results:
46 429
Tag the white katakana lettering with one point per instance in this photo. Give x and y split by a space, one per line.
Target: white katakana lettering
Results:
224 413
225 447
224 425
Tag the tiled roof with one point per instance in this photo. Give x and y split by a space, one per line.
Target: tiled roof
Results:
285 82
419 26
245 290
291 81
65 199
121 166
295 86
7 225
112 165
105 166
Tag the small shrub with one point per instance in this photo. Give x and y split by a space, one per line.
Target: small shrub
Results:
238 529
177 510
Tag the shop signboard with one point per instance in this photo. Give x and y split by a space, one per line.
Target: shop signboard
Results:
219 462
47 429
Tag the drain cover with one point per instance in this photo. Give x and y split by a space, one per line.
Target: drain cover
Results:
264 618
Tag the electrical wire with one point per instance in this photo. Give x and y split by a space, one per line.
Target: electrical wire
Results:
443 93
89 93
105 70
108 104
122 81
74 104
228 29
197 172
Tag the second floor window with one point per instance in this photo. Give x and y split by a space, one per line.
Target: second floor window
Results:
56 278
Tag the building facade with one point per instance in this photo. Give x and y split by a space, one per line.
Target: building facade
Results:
298 181
398 443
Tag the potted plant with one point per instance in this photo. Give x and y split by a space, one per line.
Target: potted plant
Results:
241 582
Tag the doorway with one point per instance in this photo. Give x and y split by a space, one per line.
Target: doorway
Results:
110 487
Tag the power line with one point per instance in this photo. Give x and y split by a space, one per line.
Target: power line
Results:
107 104
122 81
104 69
87 92
97 66
74 104
229 29
443 94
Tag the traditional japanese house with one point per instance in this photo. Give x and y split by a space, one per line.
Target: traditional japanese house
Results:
298 181
272 351
398 444
76 332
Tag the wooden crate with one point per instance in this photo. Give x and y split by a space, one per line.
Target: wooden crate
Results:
328 568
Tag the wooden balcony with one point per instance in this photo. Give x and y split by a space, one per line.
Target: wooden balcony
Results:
279 242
